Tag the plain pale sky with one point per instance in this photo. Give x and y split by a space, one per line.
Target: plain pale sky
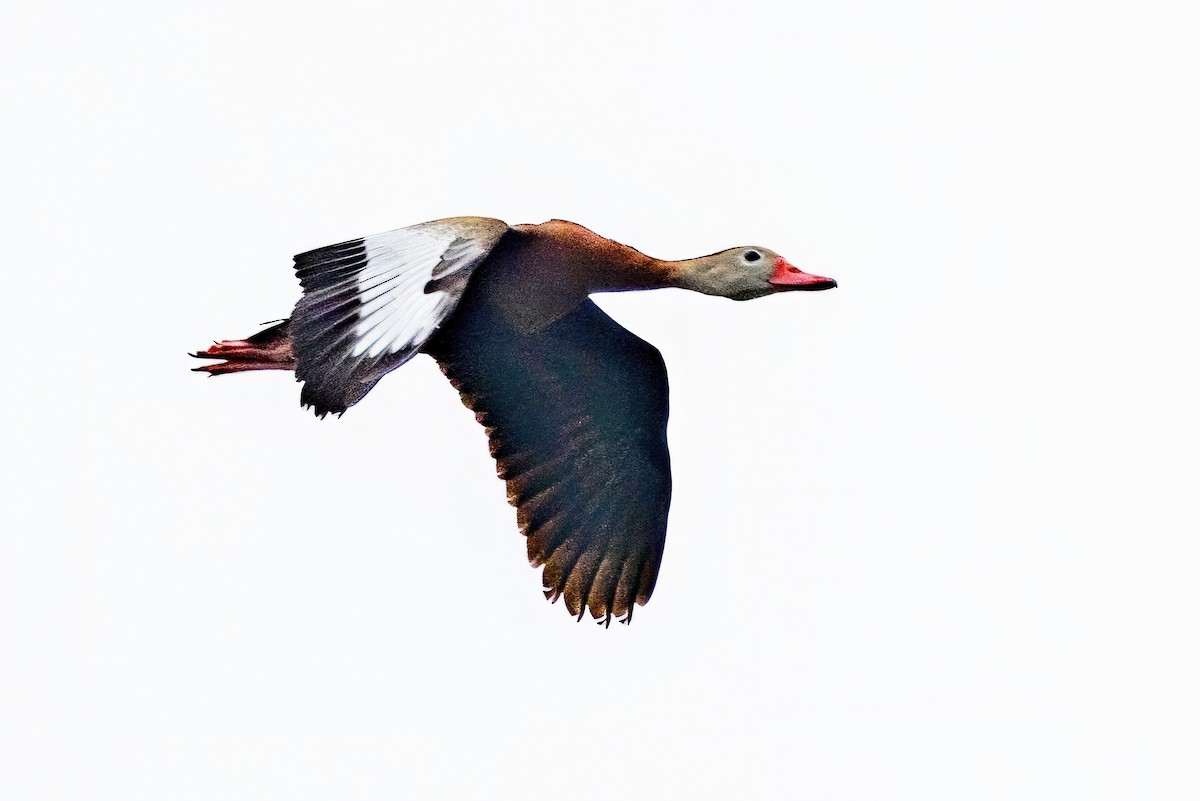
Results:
933 533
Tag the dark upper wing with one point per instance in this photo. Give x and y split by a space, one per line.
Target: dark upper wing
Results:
577 419
370 304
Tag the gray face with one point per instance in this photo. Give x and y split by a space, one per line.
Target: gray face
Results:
739 273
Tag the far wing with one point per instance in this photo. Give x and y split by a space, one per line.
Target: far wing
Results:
370 304
576 415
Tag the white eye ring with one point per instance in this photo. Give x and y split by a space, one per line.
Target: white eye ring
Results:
751 256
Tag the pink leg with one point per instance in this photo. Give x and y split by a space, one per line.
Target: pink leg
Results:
270 349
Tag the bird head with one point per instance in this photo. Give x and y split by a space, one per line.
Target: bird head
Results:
746 273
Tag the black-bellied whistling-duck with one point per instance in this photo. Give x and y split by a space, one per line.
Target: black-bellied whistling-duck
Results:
574 405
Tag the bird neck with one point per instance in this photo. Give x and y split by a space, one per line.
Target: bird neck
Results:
633 270
627 269
575 259
698 274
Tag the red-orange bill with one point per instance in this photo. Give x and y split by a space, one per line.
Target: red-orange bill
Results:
788 276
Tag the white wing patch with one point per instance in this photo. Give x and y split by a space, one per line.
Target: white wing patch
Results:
395 312
369 304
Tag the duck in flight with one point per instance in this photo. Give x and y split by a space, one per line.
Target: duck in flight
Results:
574 405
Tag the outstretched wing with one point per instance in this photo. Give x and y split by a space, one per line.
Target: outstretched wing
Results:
370 304
576 415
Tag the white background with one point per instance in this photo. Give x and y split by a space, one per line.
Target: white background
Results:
934 533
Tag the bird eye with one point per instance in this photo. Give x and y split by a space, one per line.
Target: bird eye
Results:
751 255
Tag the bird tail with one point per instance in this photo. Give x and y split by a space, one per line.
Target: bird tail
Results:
269 349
